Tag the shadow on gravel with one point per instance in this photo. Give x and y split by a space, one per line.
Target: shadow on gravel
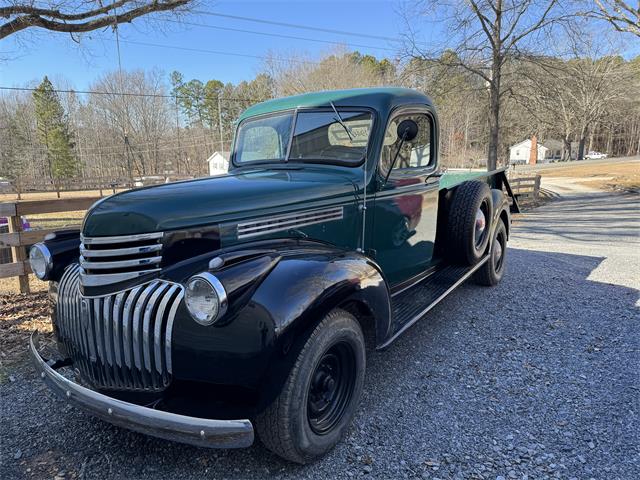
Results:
597 218
537 376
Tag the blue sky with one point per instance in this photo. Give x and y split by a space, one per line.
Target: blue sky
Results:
33 56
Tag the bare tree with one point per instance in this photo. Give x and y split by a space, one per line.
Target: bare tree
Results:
77 16
482 36
620 14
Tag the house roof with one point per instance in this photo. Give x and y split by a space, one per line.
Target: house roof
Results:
382 99
521 143
224 155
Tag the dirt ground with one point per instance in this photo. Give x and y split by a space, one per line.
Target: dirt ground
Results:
615 175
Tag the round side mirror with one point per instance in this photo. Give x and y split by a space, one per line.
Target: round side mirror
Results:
408 129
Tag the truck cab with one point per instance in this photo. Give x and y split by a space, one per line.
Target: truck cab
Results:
203 311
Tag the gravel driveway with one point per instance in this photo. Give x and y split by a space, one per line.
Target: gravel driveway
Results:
537 378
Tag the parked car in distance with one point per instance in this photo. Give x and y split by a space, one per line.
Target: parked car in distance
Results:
210 310
595 156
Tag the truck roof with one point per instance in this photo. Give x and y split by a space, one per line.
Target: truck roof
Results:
381 99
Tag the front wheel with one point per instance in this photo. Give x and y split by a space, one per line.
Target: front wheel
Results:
321 394
492 271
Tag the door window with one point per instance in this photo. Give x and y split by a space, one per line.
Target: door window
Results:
414 154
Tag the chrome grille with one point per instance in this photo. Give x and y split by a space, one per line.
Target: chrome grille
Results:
280 223
119 341
108 260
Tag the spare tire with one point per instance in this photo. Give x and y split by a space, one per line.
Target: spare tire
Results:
469 219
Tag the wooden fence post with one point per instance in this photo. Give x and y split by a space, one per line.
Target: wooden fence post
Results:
19 253
536 187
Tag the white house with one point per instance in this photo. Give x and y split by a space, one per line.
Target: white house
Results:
218 163
549 150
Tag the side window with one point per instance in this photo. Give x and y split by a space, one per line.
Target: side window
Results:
414 154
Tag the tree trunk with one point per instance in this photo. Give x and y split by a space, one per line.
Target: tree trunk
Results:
494 126
566 148
494 90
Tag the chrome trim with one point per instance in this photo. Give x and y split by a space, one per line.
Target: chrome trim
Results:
169 426
169 332
218 288
103 259
114 252
136 262
121 340
93 280
47 258
279 223
157 344
120 238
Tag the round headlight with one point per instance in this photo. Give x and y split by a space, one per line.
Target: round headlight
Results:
40 261
206 298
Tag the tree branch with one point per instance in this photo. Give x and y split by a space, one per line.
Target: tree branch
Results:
33 19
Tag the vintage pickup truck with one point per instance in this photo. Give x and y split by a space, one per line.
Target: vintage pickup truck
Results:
205 310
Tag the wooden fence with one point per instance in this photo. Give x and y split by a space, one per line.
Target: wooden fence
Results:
526 187
18 240
101 184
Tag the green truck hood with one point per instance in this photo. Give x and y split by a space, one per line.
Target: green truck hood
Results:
207 201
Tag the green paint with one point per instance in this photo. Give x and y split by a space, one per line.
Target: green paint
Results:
380 99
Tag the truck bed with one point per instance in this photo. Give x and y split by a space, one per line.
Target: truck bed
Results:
453 177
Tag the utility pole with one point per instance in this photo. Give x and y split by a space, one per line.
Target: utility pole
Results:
220 125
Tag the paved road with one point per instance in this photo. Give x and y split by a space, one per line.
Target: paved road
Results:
536 378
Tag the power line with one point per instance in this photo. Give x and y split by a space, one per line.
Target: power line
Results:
130 94
278 35
217 52
299 26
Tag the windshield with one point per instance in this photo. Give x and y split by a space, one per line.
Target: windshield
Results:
319 136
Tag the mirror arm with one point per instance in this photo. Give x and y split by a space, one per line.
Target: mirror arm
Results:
394 159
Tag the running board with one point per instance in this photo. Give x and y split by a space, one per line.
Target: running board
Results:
412 304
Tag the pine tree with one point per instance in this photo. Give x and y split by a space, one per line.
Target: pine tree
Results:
53 132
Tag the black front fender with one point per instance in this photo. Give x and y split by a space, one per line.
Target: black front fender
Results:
277 300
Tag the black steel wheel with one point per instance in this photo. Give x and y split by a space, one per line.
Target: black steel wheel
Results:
331 388
321 394
492 271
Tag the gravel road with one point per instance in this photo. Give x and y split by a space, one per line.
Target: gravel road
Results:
536 378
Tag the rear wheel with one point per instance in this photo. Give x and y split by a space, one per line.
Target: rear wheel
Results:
470 214
321 394
492 271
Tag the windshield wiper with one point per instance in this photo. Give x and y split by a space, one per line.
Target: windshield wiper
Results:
339 119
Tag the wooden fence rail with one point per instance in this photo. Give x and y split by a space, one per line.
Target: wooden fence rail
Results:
18 240
526 187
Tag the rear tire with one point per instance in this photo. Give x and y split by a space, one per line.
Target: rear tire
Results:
470 214
492 271
321 394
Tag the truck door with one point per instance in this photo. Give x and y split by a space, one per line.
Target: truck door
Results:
406 206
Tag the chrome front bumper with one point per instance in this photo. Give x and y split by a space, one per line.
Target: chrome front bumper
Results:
201 432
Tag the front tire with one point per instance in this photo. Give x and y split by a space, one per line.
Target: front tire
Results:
321 394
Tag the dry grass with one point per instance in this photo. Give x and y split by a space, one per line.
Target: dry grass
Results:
609 176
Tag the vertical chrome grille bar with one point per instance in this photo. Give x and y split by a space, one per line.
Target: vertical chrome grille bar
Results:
86 328
158 341
108 329
147 326
169 331
96 326
127 319
117 328
137 324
